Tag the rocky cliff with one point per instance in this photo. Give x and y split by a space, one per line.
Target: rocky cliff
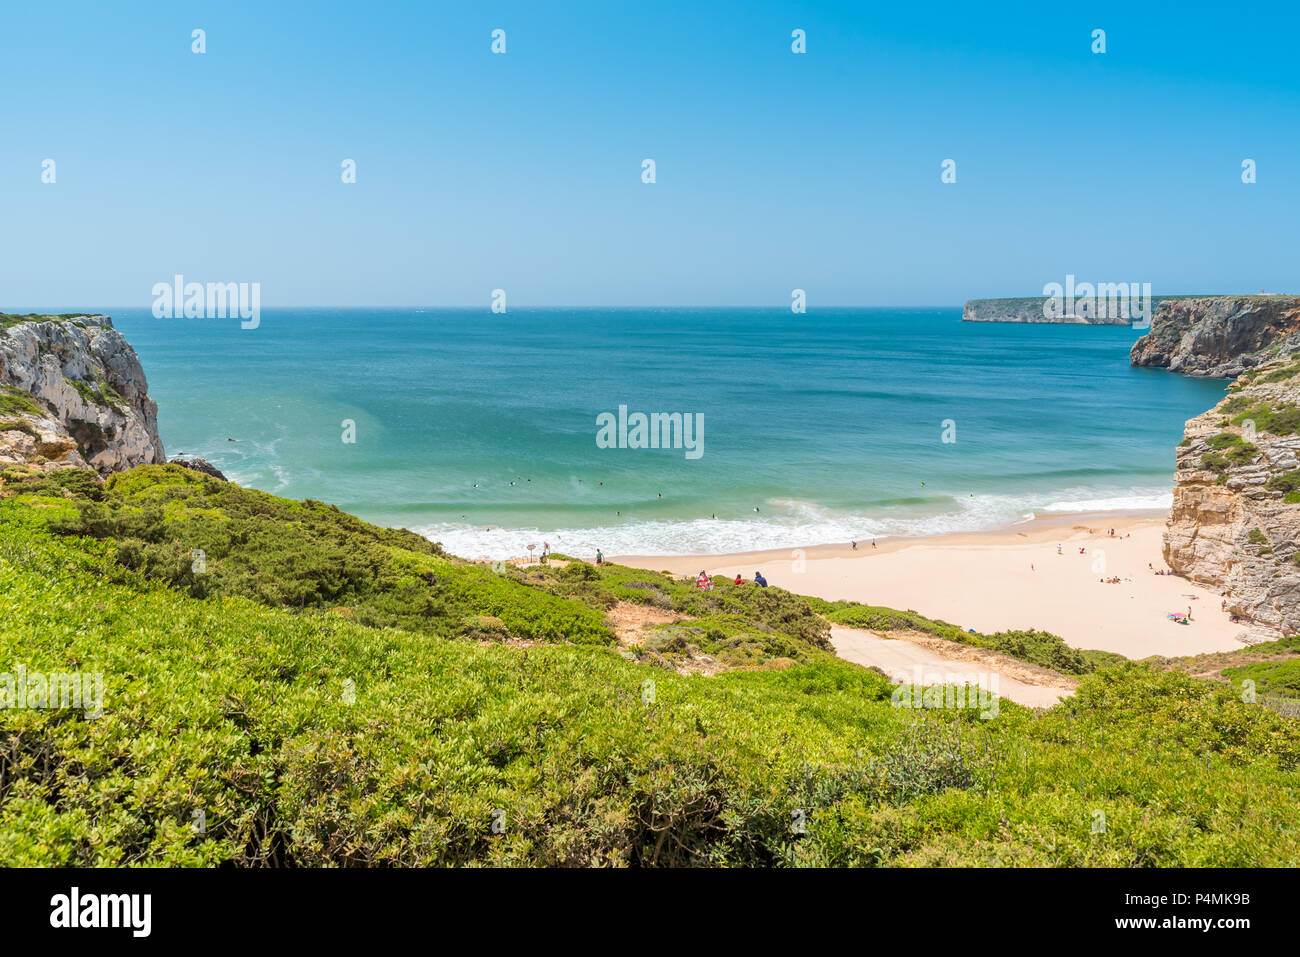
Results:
1235 521
1221 335
73 395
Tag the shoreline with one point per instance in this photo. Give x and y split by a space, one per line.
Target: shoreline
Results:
1009 579
893 543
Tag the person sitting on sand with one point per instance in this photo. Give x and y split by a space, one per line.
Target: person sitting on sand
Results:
759 580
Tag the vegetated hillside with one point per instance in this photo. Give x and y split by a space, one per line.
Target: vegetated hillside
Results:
260 698
210 538
1272 668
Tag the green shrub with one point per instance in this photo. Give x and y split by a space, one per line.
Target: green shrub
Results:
14 401
312 739
1284 482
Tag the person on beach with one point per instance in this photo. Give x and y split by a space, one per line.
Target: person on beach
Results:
739 580
855 546
873 543
599 557
759 580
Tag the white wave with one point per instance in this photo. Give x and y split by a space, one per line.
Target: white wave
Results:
1136 500
782 523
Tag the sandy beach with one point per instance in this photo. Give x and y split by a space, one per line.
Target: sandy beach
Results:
1011 579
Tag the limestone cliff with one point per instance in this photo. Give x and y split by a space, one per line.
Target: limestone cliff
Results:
1030 309
1220 335
73 395
1235 522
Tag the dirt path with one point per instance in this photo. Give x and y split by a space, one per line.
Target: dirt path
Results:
631 622
900 657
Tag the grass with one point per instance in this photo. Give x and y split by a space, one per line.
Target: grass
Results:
309 737
17 402
101 393
1279 374
9 319
1230 450
1283 419
18 425
1285 482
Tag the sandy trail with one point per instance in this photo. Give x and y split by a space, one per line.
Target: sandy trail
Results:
900 658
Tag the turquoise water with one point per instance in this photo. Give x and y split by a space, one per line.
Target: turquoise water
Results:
827 423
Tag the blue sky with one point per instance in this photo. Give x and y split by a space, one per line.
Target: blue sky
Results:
522 171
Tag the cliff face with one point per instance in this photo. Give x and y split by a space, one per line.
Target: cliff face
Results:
1235 522
1219 336
1027 310
73 395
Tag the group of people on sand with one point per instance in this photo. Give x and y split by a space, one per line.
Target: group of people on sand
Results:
704 583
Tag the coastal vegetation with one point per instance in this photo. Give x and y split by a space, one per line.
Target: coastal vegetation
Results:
1280 418
8 319
320 691
16 402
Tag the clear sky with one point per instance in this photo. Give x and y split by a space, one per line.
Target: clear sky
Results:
522 171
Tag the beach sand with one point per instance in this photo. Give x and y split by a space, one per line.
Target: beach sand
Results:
984 581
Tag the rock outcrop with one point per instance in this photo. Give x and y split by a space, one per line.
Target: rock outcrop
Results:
1030 309
73 395
1235 522
1219 336
197 464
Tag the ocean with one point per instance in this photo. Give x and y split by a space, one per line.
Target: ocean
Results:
480 430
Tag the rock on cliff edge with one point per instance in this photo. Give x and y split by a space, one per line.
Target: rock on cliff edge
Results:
1221 335
1235 522
73 395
